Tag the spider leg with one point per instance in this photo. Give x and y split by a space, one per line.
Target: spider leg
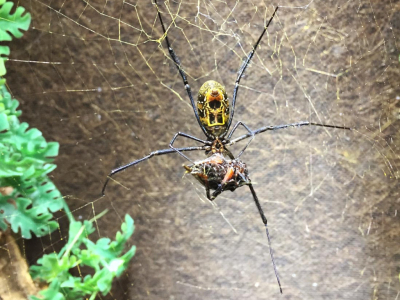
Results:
217 192
208 193
264 219
242 69
154 153
276 127
181 72
248 129
229 153
189 137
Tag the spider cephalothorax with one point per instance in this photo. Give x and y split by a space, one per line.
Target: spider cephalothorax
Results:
213 107
219 174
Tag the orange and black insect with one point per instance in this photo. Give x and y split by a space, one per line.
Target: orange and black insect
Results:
220 171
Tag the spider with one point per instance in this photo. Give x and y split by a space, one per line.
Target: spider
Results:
220 171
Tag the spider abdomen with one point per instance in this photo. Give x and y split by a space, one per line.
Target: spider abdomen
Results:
218 173
213 107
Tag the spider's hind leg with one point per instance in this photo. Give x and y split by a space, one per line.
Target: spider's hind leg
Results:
264 220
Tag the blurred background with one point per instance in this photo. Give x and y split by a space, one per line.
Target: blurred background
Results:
96 77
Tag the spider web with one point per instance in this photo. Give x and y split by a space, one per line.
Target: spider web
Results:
96 77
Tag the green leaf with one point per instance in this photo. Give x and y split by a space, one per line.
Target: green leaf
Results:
31 143
125 260
25 162
104 281
12 24
28 219
51 293
78 232
104 257
7 104
4 52
53 268
4 122
108 250
28 207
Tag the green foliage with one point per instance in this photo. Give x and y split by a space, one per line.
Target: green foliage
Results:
11 25
25 162
25 155
104 257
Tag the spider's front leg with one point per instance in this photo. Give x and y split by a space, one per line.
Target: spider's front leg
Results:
277 127
154 153
171 144
251 134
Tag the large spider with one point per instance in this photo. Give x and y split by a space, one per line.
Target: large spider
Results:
214 116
